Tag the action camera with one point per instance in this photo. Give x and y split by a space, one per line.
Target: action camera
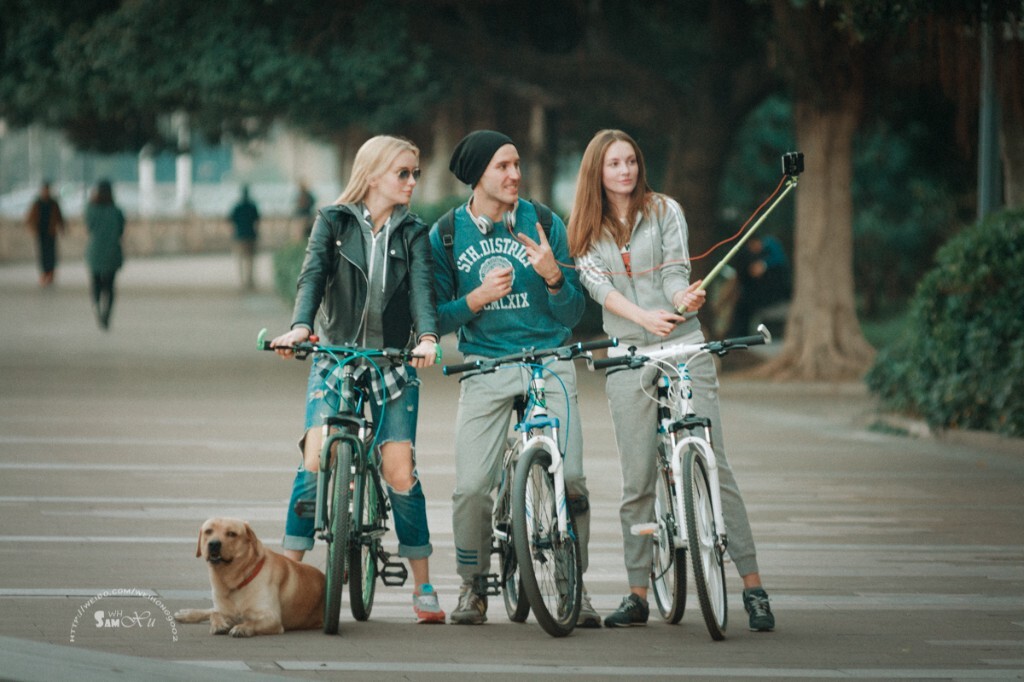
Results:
793 163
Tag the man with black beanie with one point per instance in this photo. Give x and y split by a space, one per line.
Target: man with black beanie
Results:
513 286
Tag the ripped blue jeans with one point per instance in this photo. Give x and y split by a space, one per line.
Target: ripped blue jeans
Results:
397 424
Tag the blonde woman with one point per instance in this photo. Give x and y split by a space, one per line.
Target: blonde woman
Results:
630 244
366 280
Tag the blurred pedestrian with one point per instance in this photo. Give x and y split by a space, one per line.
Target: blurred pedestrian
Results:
305 207
46 221
246 217
763 278
104 222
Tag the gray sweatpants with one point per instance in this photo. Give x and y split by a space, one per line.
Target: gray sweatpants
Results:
634 417
481 429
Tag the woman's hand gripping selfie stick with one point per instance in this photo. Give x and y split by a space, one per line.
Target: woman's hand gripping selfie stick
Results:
793 165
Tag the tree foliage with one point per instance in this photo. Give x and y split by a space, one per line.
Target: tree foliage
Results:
106 72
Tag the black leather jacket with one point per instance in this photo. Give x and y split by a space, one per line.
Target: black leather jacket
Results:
332 286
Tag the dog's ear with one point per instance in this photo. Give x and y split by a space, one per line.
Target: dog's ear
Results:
199 543
249 534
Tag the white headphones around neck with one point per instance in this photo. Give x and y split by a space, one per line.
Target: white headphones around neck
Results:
486 225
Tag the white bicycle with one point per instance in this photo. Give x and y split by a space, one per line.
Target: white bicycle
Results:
688 503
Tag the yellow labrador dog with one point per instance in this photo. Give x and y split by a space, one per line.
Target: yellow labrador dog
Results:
255 591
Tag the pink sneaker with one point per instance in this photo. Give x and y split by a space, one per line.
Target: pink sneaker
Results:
426 606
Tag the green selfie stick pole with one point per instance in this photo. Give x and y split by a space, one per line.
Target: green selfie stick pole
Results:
790 184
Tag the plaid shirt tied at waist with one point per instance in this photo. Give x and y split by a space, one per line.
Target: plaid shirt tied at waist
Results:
386 384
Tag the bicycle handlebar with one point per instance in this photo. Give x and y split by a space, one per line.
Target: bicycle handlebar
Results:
303 350
532 355
723 347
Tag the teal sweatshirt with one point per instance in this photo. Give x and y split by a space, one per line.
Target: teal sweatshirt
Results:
530 316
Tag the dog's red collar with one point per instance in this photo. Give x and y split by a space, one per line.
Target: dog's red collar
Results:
252 576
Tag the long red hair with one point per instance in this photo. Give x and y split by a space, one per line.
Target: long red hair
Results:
592 215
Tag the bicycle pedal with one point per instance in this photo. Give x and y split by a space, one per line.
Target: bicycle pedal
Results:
489 584
393 573
643 528
305 509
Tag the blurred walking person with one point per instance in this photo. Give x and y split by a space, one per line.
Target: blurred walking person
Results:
245 216
305 208
104 222
46 221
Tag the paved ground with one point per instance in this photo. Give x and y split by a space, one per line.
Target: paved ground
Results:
886 556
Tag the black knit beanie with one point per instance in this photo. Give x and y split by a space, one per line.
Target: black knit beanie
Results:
474 152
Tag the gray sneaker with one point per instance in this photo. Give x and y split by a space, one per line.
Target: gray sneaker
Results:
632 611
755 601
471 609
588 618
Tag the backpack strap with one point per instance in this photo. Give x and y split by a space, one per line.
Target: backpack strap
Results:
543 215
446 228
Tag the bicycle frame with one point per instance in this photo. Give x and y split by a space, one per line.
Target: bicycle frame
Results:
348 426
669 428
676 394
538 428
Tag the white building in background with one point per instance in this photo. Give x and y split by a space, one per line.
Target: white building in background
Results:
205 180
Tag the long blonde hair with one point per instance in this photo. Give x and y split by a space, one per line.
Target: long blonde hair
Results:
374 157
592 216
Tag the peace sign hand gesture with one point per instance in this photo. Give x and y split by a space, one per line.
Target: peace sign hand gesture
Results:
541 257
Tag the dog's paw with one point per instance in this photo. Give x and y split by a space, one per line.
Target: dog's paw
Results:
219 625
242 631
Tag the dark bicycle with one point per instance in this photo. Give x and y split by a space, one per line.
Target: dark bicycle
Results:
351 509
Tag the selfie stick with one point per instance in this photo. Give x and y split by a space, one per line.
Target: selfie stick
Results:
791 181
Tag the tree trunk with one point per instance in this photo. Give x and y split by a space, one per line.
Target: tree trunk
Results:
1011 69
824 341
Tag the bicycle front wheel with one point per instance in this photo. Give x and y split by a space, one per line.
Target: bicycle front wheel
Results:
668 571
549 562
364 548
339 523
705 553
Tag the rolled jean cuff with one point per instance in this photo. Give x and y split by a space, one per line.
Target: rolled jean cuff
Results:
420 552
297 542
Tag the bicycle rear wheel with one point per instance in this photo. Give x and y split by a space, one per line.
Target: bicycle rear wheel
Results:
517 606
364 548
549 563
705 553
339 523
668 572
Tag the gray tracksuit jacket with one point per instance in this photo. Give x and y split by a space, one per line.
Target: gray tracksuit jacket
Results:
660 239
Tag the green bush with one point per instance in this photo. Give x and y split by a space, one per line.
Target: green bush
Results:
287 266
960 362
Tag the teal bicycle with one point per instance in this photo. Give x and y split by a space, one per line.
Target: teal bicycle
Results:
534 531
351 509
